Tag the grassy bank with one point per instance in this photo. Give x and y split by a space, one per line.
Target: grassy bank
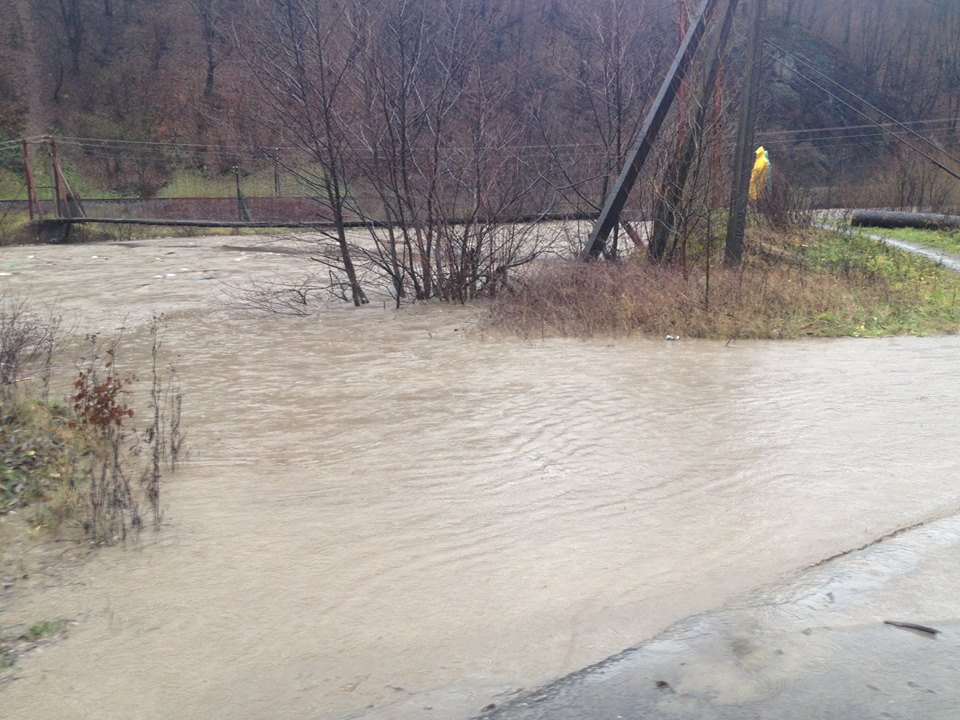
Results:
46 463
808 283
946 240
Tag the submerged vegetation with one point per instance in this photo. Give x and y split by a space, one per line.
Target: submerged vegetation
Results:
803 283
82 466
18 640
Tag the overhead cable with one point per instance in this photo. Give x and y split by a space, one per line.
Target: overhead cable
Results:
860 112
860 99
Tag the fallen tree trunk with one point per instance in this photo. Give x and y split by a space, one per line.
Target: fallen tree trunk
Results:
890 219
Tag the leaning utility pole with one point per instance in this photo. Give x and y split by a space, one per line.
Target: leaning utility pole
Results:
617 198
743 158
667 210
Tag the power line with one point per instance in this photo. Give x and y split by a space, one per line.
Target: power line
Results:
821 138
860 112
799 131
862 100
261 151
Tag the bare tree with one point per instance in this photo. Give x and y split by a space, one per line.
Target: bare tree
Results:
301 53
74 28
441 146
213 16
607 59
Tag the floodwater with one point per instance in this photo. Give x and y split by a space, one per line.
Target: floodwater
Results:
820 645
390 514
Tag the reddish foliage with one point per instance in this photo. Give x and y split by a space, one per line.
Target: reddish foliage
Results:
98 402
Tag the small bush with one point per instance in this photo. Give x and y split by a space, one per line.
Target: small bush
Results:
77 464
27 342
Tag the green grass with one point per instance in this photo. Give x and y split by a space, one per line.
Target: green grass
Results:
192 183
14 228
946 240
893 292
17 642
12 186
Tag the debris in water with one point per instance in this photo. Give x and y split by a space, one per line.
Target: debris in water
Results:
912 626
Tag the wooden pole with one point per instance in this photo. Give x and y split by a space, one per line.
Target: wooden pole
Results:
55 175
666 214
743 157
33 201
276 172
610 215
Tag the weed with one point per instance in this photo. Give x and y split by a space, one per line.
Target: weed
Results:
72 464
15 641
101 411
164 436
27 342
809 283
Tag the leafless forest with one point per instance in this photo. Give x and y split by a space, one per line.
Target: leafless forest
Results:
443 117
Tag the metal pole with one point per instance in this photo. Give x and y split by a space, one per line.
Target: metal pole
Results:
743 159
617 198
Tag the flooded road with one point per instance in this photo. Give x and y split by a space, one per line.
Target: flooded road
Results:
389 514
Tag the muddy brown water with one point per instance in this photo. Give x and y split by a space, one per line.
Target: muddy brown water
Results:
390 514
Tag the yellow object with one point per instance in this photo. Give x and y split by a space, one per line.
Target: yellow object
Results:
760 177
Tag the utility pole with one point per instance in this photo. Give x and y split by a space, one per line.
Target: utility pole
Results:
667 209
617 198
743 158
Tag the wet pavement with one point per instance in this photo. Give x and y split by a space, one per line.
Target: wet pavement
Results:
941 257
815 646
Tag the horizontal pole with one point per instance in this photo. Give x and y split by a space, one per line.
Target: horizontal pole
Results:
892 219
307 225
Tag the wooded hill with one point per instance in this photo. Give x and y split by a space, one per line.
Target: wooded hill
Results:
561 82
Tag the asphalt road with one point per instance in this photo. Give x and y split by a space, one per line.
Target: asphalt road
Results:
815 646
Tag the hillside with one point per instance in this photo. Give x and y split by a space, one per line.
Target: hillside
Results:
568 73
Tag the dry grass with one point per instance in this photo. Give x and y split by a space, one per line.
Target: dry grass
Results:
800 284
